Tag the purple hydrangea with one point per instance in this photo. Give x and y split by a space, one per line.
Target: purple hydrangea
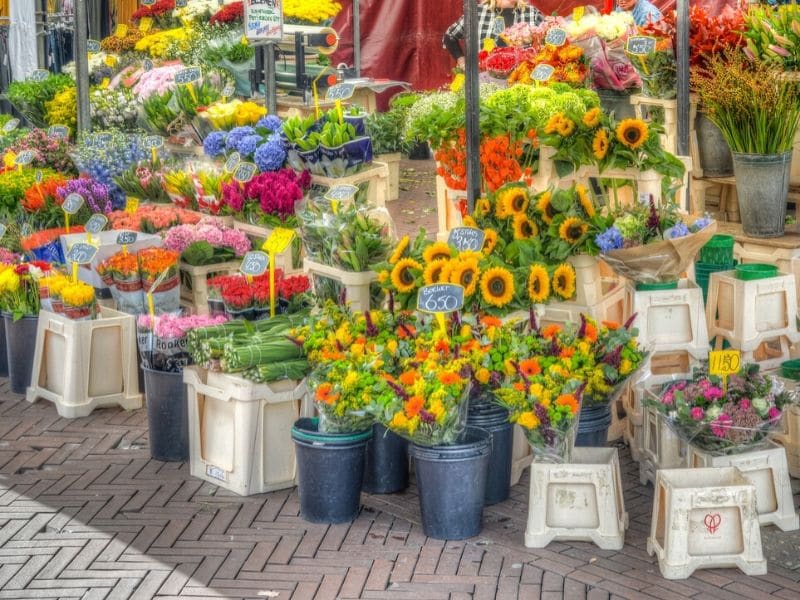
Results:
235 136
271 122
610 239
679 230
214 144
248 144
701 223
270 156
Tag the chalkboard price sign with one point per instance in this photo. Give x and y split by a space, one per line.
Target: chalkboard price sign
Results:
147 2
147 65
440 298
641 45
96 223
542 72
466 239
25 157
92 46
11 125
40 75
81 253
254 263
233 160
244 172
229 90
58 131
341 193
555 36
153 141
340 91
39 176
103 139
188 75
126 238
181 3
72 203
2 230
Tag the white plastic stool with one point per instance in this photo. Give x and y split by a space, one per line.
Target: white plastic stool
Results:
705 518
661 448
578 501
767 469
521 454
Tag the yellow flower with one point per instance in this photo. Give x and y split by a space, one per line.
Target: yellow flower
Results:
563 283
436 251
572 229
399 421
483 207
482 375
625 366
632 133
516 200
497 286
538 284
600 144
566 127
391 346
490 241
545 207
383 276
528 420
465 273
400 249
77 294
554 124
248 113
403 278
350 380
524 228
466 331
437 409
436 272
468 222
592 117
585 200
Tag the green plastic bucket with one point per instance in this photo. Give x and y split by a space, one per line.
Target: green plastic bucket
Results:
703 271
654 287
753 271
718 250
791 369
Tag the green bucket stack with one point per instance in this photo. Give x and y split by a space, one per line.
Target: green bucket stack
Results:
715 256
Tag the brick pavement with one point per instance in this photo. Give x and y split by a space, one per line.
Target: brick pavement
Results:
85 513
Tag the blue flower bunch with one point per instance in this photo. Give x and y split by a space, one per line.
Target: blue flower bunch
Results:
637 227
261 144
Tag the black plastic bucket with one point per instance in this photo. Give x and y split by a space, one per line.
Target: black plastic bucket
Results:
330 468
494 419
3 350
451 482
167 415
593 423
386 462
20 346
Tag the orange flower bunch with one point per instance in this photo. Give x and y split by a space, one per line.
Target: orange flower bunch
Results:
151 218
452 162
499 162
39 238
154 261
40 195
122 263
567 60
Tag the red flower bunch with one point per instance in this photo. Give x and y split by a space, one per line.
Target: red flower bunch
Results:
154 10
237 294
290 287
499 162
452 162
230 13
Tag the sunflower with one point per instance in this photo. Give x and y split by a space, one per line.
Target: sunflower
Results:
600 144
468 221
592 117
545 206
436 251
572 229
465 273
403 279
566 127
437 271
538 284
511 200
483 207
555 123
585 200
564 281
524 228
497 286
490 241
632 133
399 250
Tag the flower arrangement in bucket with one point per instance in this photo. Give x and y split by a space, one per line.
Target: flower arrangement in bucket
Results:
19 288
719 419
78 301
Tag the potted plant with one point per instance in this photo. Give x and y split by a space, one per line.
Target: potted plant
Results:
757 110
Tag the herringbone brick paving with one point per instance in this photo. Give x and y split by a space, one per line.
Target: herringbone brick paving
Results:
85 513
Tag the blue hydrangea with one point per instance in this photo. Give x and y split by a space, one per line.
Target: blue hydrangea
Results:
214 144
701 223
235 136
270 156
678 230
610 239
271 122
247 145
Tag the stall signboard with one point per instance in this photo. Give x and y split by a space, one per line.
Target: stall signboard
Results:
263 20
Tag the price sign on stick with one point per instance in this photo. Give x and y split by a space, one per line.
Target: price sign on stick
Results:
151 305
228 91
466 238
641 45
58 131
2 230
277 242
92 46
81 253
188 75
121 31
340 91
40 75
72 203
11 125
556 36
233 160
147 2
126 238
244 172
254 263
338 194
440 299
96 223
39 176
147 65
24 158
131 205
724 363
542 73
145 24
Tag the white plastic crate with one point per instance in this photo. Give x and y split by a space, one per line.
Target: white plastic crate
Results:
618 423
357 285
376 176
240 431
661 448
705 518
83 365
767 469
447 212
749 313
581 500
392 161
194 284
790 424
588 280
753 252
614 306
521 454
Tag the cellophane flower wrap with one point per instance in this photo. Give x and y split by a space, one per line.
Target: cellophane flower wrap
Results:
721 420
163 345
19 288
78 300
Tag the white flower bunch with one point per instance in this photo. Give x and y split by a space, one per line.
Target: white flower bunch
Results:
113 109
199 10
609 27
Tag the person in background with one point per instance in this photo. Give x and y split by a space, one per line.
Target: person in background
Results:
643 11
494 16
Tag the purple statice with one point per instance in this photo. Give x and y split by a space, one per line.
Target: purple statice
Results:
248 144
270 156
214 144
271 122
95 194
610 239
678 230
235 136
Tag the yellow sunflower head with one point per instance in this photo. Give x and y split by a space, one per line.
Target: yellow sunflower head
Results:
497 286
572 229
591 117
399 250
475 255
524 228
483 207
437 271
468 221
632 133
511 199
490 241
585 200
566 127
404 275
538 284
564 281
437 251
545 206
600 144
465 273
554 124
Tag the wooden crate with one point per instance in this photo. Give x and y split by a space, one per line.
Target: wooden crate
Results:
377 176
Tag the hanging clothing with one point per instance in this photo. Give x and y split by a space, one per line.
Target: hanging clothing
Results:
22 39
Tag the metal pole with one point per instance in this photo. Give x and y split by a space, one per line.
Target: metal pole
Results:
472 88
82 66
682 53
357 37
270 85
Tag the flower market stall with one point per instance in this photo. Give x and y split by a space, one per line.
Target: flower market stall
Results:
244 271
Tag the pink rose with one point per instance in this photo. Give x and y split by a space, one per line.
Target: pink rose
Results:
774 413
697 413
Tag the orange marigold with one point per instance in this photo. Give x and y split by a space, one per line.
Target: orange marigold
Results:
413 405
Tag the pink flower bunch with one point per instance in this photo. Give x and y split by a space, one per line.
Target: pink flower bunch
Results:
7 257
276 192
156 81
175 327
181 237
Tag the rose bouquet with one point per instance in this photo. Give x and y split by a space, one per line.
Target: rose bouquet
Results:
163 343
230 14
161 12
719 420
206 243
199 11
